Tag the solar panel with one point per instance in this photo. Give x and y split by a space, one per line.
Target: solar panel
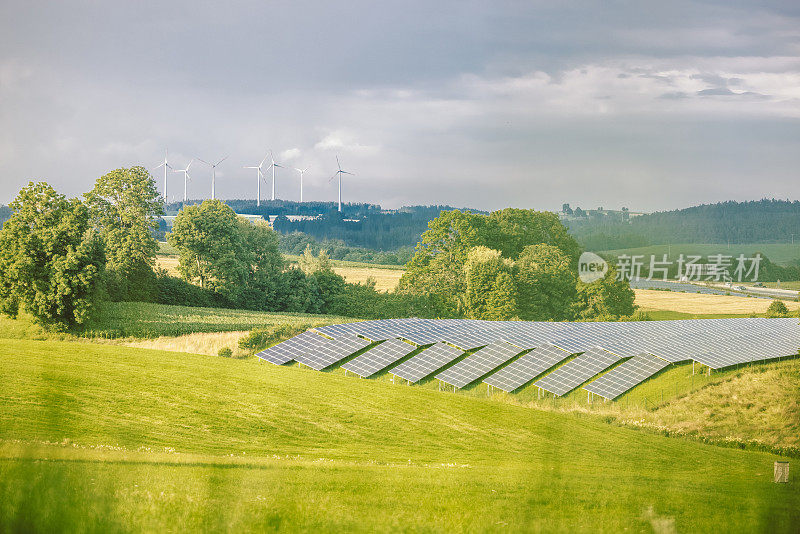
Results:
478 364
332 351
427 362
527 367
575 372
379 357
292 348
625 377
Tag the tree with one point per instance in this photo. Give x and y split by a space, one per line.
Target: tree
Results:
310 263
490 291
777 309
511 230
607 297
210 247
51 261
437 268
263 263
546 283
123 206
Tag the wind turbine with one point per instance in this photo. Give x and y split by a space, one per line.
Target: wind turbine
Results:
166 166
273 165
213 173
339 173
259 177
302 172
186 179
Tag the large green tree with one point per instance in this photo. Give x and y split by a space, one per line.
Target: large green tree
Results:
546 283
437 268
51 261
124 204
233 257
210 246
490 290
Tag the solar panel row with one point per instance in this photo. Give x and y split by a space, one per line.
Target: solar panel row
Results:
379 357
577 371
478 364
427 362
628 375
527 367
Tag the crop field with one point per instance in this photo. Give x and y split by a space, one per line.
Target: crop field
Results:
780 253
697 303
385 279
151 440
386 276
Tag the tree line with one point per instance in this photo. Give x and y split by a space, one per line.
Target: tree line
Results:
61 257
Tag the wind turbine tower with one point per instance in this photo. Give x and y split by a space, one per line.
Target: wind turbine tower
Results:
259 177
186 180
166 166
273 165
302 172
339 173
213 174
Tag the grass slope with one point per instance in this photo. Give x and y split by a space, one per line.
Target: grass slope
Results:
159 441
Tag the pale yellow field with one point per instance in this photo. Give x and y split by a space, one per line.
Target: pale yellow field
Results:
700 303
199 343
385 279
170 263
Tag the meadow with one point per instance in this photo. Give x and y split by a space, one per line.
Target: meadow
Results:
699 303
113 438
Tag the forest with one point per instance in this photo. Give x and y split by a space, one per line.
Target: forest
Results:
760 221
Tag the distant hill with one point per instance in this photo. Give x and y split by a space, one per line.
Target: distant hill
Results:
761 221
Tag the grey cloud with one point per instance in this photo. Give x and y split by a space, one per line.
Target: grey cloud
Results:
426 102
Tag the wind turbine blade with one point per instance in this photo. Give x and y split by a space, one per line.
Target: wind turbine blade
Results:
263 160
350 173
190 164
278 165
204 161
160 165
249 167
334 176
223 159
337 162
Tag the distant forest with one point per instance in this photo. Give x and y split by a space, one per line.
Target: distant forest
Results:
761 221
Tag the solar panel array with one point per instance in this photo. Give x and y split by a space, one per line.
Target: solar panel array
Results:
577 371
478 364
427 362
628 375
379 357
717 343
527 367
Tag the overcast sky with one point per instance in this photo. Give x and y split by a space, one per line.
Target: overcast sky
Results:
649 105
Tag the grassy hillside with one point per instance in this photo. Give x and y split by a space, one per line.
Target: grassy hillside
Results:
780 253
147 440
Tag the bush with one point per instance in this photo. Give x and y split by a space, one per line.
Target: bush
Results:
777 309
260 338
179 292
225 352
365 302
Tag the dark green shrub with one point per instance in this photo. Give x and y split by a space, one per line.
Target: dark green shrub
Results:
225 352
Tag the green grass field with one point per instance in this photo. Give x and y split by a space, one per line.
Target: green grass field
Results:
777 252
106 438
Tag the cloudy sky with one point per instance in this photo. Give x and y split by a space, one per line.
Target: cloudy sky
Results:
649 105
